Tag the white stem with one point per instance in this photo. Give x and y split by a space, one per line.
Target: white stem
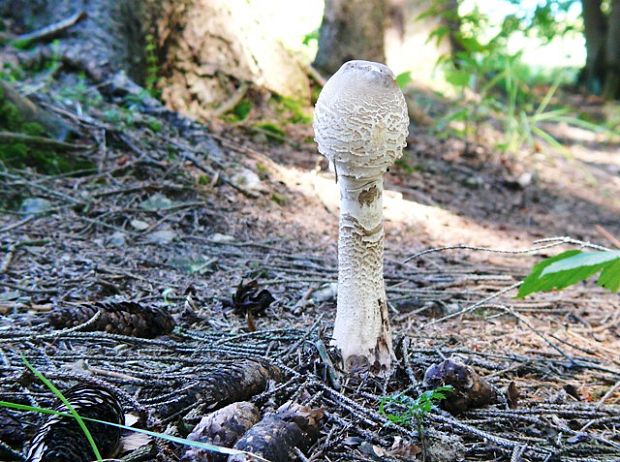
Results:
362 331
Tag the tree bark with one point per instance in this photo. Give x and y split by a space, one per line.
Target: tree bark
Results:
111 38
407 46
612 53
212 47
204 49
595 28
351 29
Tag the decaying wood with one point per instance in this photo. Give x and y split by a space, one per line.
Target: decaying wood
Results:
224 384
277 435
223 427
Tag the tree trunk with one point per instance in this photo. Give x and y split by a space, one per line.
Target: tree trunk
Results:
202 50
406 38
111 38
351 29
612 53
595 26
213 47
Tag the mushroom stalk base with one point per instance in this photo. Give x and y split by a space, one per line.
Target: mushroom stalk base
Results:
362 331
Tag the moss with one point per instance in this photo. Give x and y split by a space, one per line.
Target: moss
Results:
279 199
204 180
272 131
11 73
295 111
262 171
154 124
242 110
20 155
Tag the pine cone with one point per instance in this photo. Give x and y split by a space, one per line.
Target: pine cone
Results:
248 299
226 384
223 427
277 435
126 318
12 431
60 439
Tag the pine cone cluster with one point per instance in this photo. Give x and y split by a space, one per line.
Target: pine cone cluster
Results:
61 439
126 318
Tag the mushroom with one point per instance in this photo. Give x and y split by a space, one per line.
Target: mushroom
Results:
361 125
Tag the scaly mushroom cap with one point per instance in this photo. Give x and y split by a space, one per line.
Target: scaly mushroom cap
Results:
360 119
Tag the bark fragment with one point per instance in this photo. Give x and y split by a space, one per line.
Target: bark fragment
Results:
277 435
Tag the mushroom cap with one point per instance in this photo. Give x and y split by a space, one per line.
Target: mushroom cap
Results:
360 119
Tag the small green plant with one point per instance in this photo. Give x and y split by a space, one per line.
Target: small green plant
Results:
152 66
405 410
311 37
495 85
571 267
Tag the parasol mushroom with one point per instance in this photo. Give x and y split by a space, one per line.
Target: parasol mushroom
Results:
361 125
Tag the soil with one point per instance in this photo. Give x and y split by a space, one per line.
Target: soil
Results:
174 214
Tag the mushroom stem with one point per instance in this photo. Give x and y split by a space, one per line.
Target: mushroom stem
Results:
362 331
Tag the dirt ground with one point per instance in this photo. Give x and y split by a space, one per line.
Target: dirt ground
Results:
176 218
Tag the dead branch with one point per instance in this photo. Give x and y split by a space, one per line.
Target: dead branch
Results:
11 137
53 30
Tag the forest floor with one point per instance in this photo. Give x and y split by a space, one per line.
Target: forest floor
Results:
176 215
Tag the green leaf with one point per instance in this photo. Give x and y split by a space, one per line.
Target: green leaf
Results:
457 77
610 277
580 261
572 267
403 79
532 282
438 34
